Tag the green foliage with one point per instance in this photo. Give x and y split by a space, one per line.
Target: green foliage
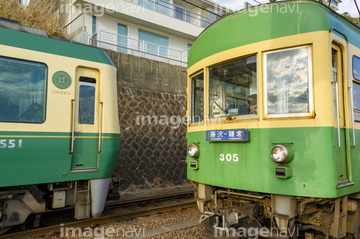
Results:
355 20
42 14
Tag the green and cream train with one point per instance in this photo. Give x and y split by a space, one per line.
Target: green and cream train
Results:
59 127
274 129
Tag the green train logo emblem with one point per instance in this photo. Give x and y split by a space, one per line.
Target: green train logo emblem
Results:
61 80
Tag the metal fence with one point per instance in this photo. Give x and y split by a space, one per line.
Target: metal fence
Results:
174 11
139 48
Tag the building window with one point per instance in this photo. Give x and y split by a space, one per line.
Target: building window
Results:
93 26
22 91
189 46
287 78
163 6
122 39
153 43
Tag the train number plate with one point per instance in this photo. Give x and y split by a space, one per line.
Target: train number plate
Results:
227 135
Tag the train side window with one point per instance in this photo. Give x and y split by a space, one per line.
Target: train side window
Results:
197 98
356 68
233 89
288 82
22 91
87 92
356 88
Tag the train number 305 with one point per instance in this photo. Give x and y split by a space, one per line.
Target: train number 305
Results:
10 143
229 157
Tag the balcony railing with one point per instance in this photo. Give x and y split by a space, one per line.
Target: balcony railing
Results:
174 11
140 48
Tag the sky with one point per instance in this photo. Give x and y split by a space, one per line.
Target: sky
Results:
344 6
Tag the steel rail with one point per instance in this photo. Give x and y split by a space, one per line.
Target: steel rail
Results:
96 221
124 203
105 219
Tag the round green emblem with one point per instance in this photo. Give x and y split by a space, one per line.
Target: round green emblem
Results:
61 80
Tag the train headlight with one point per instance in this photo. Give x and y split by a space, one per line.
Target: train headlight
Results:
193 150
282 153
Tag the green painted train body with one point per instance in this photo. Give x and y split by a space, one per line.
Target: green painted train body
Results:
59 126
43 163
300 61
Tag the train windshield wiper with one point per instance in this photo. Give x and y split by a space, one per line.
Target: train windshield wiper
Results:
226 114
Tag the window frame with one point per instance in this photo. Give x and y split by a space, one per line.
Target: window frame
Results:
310 81
192 98
236 117
93 25
355 81
45 89
89 84
352 70
355 110
147 50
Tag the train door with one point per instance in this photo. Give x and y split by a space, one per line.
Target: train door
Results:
85 126
339 115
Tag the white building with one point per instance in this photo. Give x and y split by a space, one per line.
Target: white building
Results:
163 30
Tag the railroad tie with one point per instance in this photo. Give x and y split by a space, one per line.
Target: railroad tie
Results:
167 228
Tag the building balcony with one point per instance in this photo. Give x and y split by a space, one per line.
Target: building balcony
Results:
128 45
161 16
174 11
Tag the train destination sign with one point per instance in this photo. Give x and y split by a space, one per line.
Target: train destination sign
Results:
227 135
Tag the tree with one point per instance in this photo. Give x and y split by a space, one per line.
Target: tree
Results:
42 14
354 20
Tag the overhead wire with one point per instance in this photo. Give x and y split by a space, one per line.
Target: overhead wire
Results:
357 7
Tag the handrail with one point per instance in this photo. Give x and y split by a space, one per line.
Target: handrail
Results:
172 7
130 38
335 30
74 20
72 127
353 115
110 41
338 113
100 122
139 51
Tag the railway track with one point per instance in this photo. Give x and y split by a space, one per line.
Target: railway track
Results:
39 232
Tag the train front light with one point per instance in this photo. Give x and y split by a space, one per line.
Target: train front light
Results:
193 150
282 154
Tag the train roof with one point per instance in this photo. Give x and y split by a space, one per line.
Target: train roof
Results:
270 21
16 35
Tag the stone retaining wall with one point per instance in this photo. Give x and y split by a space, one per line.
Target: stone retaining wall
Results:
153 137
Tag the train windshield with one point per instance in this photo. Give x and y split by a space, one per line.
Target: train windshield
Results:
22 91
233 88
287 78
197 98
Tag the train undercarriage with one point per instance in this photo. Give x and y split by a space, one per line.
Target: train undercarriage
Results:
17 203
234 213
